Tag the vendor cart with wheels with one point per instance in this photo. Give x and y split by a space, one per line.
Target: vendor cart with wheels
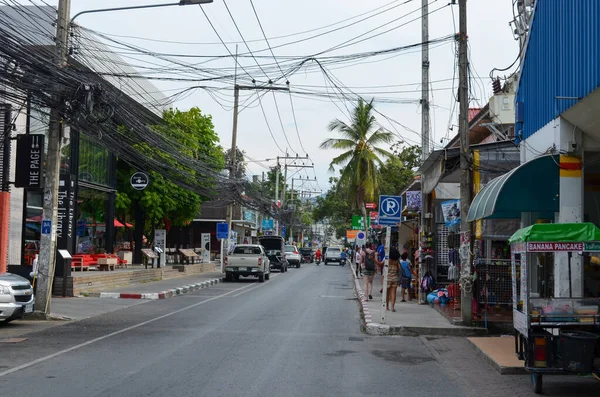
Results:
554 334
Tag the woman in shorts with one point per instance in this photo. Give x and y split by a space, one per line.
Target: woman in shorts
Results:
392 279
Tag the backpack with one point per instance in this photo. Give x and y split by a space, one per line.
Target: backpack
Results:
370 262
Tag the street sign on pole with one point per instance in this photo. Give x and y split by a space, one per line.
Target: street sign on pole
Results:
388 233
358 222
222 230
390 210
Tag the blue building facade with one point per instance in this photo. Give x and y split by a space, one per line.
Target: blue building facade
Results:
561 63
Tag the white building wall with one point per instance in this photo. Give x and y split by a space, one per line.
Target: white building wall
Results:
560 136
15 227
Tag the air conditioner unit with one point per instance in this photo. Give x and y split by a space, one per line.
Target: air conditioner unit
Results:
502 108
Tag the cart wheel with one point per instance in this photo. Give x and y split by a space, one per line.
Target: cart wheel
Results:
536 382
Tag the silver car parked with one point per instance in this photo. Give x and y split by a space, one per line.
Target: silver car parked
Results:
16 297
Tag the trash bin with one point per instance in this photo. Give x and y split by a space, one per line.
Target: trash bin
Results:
578 350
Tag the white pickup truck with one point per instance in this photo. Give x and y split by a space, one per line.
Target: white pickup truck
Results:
247 260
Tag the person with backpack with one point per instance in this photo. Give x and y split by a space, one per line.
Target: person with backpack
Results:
406 270
369 264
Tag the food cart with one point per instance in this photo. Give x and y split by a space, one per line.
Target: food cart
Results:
553 335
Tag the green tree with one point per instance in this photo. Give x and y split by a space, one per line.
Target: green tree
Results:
361 156
335 207
165 200
399 170
240 166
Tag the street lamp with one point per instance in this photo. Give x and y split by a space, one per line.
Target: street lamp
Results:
181 3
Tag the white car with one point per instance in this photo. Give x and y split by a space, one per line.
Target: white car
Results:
16 297
333 254
293 255
247 260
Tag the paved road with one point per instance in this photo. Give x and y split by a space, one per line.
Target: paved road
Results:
296 335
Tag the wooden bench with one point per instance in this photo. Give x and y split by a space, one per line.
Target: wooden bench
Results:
189 254
150 256
106 264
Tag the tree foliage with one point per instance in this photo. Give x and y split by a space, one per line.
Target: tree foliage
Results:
360 141
398 171
240 166
366 170
163 201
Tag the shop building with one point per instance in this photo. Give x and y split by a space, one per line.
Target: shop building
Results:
87 191
557 123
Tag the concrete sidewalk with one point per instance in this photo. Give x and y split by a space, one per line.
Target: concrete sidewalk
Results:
161 289
410 318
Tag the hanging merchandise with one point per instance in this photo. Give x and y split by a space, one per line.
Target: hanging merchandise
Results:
453 272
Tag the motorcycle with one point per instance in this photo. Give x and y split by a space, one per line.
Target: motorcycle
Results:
343 262
318 260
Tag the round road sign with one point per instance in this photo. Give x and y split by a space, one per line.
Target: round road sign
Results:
139 181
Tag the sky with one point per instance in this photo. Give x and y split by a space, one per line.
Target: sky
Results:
185 30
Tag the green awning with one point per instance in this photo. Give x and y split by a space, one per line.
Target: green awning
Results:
557 232
531 187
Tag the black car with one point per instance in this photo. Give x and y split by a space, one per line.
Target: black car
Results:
307 254
274 246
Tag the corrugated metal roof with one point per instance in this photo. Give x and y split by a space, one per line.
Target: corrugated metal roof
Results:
561 60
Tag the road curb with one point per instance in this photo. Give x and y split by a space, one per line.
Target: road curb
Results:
170 293
373 328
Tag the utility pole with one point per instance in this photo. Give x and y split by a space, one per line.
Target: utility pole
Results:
277 192
236 99
47 260
424 134
465 172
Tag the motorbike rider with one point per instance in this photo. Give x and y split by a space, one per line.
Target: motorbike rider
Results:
318 256
343 257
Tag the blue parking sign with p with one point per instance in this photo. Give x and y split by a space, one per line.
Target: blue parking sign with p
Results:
390 210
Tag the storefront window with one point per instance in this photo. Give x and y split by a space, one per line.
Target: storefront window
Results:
33 226
91 221
94 164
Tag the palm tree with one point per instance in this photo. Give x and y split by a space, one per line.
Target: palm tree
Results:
361 157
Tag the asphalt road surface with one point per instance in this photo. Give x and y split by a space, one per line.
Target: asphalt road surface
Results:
295 335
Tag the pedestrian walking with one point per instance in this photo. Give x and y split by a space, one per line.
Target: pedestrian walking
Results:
393 279
405 276
381 257
370 263
358 262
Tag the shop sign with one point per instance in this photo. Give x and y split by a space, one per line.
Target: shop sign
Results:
30 157
267 224
451 211
139 181
65 225
351 234
370 206
358 222
554 247
592 246
413 201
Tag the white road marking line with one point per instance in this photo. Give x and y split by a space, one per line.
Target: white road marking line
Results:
79 346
